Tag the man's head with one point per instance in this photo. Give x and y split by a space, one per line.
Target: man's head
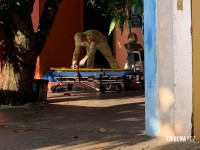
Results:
132 37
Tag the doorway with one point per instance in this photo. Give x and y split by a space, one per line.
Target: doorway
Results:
93 19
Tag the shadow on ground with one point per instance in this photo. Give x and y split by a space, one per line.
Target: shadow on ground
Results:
79 121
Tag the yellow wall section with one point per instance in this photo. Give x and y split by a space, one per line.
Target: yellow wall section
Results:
196 66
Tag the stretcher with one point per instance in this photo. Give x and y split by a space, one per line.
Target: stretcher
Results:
102 78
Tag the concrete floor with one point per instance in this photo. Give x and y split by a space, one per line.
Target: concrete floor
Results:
80 120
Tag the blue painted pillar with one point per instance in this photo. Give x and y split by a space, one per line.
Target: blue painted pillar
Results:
151 79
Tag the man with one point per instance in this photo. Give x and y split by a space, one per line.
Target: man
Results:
131 46
132 42
92 40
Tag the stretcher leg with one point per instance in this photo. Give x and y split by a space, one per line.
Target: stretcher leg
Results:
102 88
69 86
119 87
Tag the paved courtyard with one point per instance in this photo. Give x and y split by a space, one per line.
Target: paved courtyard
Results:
82 120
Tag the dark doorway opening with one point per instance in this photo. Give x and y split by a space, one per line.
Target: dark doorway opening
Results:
93 19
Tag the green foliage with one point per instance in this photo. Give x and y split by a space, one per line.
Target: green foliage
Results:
112 24
5 5
119 10
16 5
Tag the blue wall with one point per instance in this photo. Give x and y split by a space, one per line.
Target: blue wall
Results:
151 81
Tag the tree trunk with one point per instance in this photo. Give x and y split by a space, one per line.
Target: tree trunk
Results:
19 47
18 60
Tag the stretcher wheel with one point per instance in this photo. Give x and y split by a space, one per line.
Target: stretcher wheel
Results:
69 87
57 88
119 87
102 89
53 89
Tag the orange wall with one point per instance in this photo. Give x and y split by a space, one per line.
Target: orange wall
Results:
120 40
35 15
59 47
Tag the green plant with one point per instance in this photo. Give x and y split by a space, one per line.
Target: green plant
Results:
121 11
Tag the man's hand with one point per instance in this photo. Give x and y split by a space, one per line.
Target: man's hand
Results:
74 66
82 62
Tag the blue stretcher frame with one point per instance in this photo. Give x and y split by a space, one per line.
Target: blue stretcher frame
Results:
99 76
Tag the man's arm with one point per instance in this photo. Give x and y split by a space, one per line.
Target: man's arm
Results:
75 56
90 53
